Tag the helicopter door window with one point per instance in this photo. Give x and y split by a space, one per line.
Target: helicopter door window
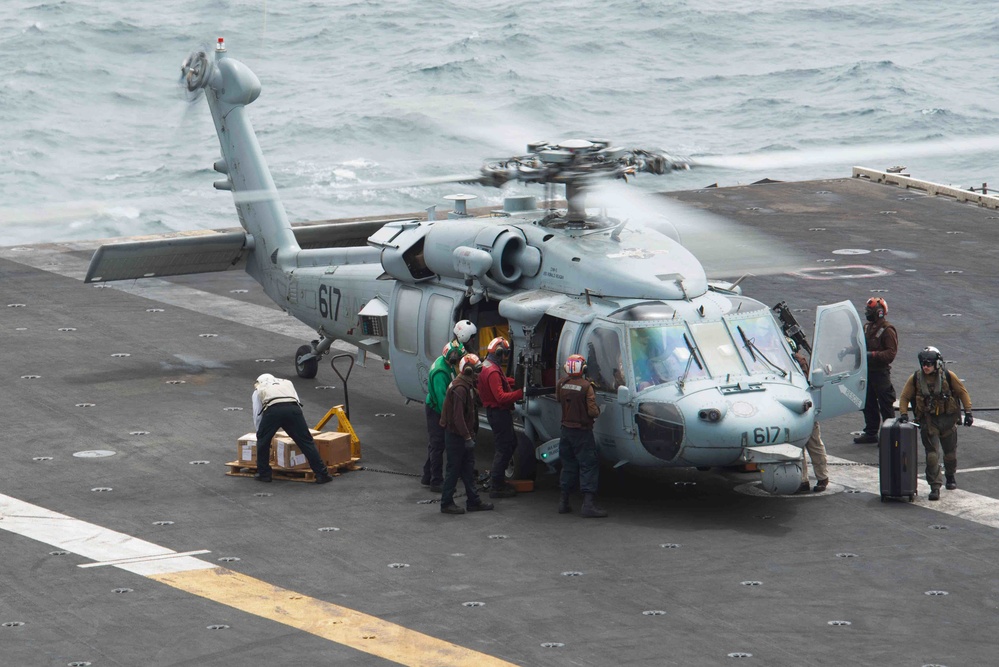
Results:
660 355
438 324
829 354
603 360
407 311
717 348
763 337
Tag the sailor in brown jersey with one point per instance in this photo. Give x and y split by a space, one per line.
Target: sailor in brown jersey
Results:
576 449
882 346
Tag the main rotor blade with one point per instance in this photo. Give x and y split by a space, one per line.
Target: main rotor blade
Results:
725 248
417 182
849 154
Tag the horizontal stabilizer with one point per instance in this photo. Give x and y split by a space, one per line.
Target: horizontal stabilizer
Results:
176 256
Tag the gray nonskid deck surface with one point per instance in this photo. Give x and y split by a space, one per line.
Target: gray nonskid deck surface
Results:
797 548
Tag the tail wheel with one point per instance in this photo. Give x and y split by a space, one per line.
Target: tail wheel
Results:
309 368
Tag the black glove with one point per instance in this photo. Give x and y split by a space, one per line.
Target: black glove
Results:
968 419
903 418
469 444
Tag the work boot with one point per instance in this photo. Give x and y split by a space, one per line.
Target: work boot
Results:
325 478
452 509
803 488
502 490
262 477
590 509
935 493
951 483
479 507
821 485
865 439
563 504
436 488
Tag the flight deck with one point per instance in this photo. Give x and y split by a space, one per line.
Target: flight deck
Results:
125 543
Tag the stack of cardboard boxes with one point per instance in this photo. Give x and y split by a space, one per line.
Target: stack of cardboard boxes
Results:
334 448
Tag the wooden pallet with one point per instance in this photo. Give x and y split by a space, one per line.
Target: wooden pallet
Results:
242 469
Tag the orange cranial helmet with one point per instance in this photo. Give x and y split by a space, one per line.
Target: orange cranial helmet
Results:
498 346
575 365
469 364
877 306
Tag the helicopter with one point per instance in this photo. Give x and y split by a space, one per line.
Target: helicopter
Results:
689 372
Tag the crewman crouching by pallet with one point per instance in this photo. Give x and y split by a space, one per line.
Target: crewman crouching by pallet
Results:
459 417
938 395
275 406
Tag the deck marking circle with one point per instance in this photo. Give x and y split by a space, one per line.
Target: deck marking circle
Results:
851 251
13 624
756 489
840 623
93 453
740 654
846 272
654 612
41 458
552 645
473 604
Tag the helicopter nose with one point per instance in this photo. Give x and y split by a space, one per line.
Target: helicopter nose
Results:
708 429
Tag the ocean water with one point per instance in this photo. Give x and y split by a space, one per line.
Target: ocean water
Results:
96 139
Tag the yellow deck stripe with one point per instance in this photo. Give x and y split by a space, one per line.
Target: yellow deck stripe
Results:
323 619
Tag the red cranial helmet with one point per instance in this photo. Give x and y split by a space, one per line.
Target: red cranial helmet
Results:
877 306
575 365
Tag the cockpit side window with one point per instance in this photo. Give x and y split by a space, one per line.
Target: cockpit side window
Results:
604 359
660 355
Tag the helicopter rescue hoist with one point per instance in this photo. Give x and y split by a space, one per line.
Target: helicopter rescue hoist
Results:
688 371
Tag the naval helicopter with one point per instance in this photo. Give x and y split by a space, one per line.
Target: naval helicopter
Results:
688 372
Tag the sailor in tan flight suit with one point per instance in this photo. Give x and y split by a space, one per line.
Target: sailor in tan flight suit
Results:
938 395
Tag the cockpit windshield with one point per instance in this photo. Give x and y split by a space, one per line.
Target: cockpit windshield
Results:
745 344
764 346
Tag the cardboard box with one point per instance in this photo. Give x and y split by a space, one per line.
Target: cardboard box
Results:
246 449
334 447
288 455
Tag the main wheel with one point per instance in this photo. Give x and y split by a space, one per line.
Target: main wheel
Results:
524 463
306 369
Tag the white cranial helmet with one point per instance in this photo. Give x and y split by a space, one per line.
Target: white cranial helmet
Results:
464 331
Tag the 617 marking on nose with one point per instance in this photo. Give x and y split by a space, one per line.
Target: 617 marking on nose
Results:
766 435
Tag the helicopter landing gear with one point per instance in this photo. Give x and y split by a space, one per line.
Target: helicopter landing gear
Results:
307 357
523 465
306 363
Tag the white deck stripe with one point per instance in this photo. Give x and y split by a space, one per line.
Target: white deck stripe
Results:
958 503
90 541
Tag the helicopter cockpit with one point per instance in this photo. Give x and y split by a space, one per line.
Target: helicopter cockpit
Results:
667 350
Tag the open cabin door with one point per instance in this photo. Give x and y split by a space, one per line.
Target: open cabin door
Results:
838 373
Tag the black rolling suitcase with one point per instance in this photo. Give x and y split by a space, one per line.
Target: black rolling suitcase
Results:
899 457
